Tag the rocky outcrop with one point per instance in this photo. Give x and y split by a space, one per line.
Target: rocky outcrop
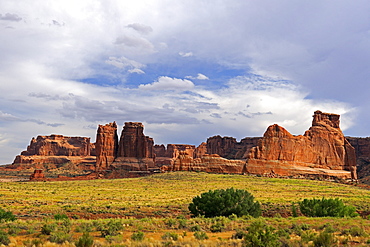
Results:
135 151
207 163
229 148
362 149
322 150
56 150
106 145
133 142
37 175
58 145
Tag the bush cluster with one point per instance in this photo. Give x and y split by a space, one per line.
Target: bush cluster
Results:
326 208
224 203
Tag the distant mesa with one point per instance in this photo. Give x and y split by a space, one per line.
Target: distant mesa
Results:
321 152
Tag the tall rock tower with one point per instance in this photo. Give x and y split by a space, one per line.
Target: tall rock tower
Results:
106 145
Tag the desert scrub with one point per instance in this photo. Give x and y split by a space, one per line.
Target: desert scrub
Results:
138 236
111 228
6 215
261 234
326 207
224 203
4 239
201 235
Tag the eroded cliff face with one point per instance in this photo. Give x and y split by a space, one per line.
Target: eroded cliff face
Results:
207 163
135 151
228 147
322 150
106 146
56 149
58 145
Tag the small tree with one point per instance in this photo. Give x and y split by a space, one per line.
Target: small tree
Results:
326 208
6 215
225 203
261 235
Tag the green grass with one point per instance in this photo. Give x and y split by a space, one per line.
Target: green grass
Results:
163 194
158 204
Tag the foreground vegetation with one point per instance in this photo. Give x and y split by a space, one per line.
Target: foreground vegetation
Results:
153 211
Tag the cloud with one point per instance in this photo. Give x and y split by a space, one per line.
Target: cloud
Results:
10 17
198 77
167 83
186 54
141 28
135 42
123 63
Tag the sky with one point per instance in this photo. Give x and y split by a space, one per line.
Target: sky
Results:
186 69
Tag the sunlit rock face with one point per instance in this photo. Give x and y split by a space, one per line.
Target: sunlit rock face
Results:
322 150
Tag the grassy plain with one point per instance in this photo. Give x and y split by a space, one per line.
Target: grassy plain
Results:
158 204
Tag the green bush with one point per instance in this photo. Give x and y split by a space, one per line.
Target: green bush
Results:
326 208
357 231
200 235
218 227
85 240
6 215
60 217
111 228
4 239
170 236
261 235
137 236
324 239
224 203
47 229
59 237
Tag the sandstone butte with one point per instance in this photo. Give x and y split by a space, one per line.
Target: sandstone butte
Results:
322 151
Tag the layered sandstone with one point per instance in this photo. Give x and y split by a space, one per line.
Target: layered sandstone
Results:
133 142
56 150
207 163
135 151
362 148
228 147
58 145
37 175
322 150
106 145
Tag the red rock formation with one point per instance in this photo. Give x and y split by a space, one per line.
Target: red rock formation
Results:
160 150
106 145
37 175
136 151
220 145
229 148
201 150
58 145
207 163
362 149
134 143
56 150
322 148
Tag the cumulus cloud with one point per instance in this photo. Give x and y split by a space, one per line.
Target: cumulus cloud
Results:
141 28
186 54
10 17
123 63
135 42
265 60
168 83
198 77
